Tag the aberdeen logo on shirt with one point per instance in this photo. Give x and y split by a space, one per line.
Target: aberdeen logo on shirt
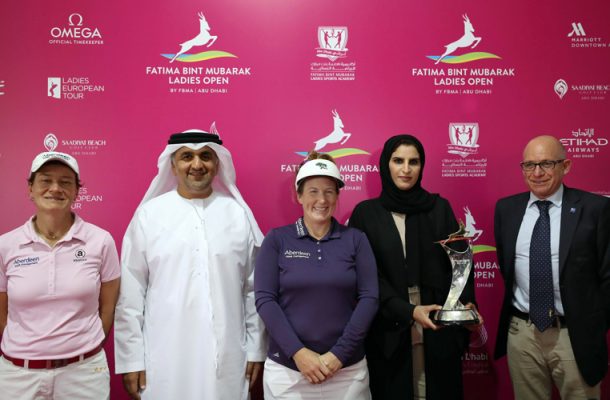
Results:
22 262
296 254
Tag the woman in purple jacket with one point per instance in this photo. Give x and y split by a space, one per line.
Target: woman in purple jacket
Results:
316 290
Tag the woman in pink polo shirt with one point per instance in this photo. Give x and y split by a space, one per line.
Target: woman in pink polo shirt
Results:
59 282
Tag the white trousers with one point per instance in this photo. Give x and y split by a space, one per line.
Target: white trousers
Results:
84 380
282 383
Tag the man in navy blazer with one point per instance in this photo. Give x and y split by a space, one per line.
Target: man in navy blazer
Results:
572 352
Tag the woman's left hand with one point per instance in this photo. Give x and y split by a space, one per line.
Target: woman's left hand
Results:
474 327
331 362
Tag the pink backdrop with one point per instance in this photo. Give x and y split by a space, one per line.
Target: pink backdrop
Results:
90 78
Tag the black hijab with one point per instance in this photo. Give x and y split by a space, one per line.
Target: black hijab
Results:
414 200
415 203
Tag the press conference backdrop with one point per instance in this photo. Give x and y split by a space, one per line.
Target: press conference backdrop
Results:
109 81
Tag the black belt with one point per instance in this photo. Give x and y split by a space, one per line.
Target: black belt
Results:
559 321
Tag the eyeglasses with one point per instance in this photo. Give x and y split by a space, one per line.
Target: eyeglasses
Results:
545 165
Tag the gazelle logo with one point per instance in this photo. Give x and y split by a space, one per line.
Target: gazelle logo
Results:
470 225
474 232
577 30
54 88
336 136
353 172
50 142
203 38
468 39
332 41
561 88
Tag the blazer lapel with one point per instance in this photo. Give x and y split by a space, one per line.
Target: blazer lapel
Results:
570 214
514 217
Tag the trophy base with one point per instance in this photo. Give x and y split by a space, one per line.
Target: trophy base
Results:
460 316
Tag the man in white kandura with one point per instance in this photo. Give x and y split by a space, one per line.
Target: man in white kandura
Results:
186 326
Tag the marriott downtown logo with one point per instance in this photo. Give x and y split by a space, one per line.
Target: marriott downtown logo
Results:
579 38
463 80
75 31
199 79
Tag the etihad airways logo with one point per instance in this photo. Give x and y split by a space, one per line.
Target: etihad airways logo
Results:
468 39
203 38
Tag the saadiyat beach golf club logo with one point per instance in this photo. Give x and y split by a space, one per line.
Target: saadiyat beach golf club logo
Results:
50 142
467 40
203 38
561 88
337 135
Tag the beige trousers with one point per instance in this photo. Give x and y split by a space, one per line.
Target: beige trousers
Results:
537 359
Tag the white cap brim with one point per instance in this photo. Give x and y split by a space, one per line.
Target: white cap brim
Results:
44 157
319 167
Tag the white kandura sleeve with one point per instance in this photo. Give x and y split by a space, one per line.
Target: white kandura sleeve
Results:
129 314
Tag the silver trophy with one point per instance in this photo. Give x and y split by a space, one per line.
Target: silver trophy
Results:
453 311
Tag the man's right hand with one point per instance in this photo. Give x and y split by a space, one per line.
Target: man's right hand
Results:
134 383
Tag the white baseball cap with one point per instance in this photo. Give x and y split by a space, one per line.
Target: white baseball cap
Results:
319 167
44 157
